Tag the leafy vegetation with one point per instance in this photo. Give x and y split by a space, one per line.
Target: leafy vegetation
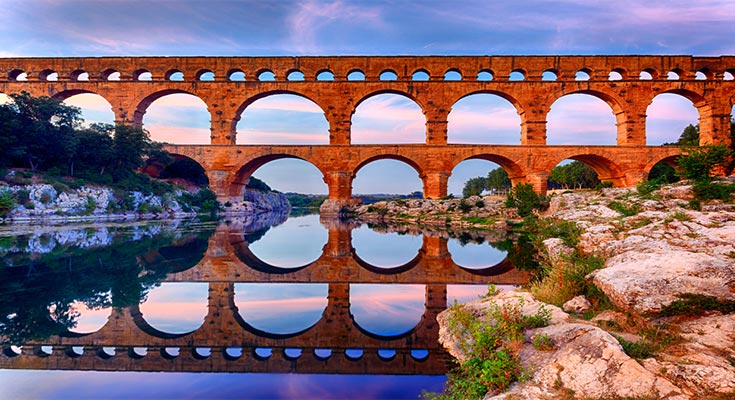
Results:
574 175
523 198
497 180
702 164
492 348
696 304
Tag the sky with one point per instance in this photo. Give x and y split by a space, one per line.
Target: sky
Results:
250 28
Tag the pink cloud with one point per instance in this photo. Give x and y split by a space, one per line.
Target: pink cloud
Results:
178 134
285 103
271 137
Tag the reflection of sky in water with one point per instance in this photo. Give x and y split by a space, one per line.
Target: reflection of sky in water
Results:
90 320
176 307
296 242
174 385
385 249
387 310
473 255
281 308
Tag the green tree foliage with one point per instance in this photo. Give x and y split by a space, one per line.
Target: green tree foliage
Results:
525 199
498 179
257 184
575 175
474 186
688 137
663 173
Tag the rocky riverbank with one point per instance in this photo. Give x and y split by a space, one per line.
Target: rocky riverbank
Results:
669 329
43 202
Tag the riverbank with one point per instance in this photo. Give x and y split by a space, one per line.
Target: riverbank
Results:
637 293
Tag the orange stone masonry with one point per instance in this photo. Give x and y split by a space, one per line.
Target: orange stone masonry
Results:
699 79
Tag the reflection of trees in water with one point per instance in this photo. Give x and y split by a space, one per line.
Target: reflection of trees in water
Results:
39 290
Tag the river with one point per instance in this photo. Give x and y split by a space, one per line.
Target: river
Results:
270 307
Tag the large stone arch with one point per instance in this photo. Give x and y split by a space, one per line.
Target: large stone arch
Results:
420 170
240 177
670 160
377 92
515 172
261 95
607 169
611 99
514 102
142 105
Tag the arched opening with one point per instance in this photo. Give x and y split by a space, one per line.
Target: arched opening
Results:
453 75
473 255
292 175
478 177
176 307
293 244
582 75
79 75
388 75
281 308
667 117
236 75
387 310
484 118
283 119
266 76
704 74
646 75
325 75
388 177
616 75
295 76
485 76
110 75
585 171
174 75
664 171
48 75
179 118
700 76
95 108
388 118
729 75
517 75
5 99
385 250
674 75
89 319
549 75
205 75
420 75
183 171
356 75
581 119
18 75
571 174
142 75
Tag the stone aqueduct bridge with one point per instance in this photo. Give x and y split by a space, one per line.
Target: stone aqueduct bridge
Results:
229 166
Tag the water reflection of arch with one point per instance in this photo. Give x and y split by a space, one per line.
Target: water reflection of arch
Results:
244 254
387 270
426 321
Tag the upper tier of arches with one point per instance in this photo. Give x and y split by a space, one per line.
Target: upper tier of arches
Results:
331 68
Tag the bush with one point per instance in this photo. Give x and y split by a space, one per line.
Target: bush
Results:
522 197
604 185
464 206
626 210
7 203
45 198
22 196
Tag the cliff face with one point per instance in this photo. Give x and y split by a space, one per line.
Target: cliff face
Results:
255 201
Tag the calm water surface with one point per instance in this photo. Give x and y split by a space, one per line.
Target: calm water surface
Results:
266 307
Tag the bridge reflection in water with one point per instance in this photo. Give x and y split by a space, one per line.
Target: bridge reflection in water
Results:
227 342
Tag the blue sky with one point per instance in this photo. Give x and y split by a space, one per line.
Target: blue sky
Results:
242 28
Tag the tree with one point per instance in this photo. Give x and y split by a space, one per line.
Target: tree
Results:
575 174
689 137
498 179
474 186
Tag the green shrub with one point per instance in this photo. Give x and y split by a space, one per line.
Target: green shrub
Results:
522 197
645 188
604 185
707 190
464 206
696 304
480 204
626 210
542 341
45 198
29 205
22 196
7 202
90 205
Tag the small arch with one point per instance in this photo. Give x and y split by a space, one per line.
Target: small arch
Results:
232 353
174 75
616 74
322 354
110 75
266 76
106 353
388 117
703 74
453 75
386 354
420 75
137 353
356 75
550 75
517 75
17 75
74 351
325 75
485 75
201 353
170 353
582 75
295 75
236 75
353 354
729 75
420 354
205 75
79 75
674 74
13 351
262 353
648 74
388 75
142 75
48 75
292 353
